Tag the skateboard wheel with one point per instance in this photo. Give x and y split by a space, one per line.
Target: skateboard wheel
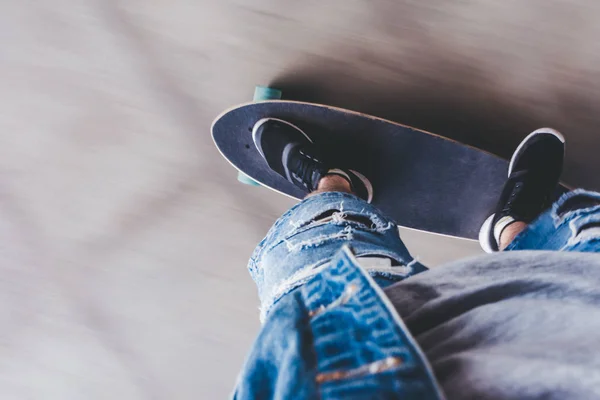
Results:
246 180
262 93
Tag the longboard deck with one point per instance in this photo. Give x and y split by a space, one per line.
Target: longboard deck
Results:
421 180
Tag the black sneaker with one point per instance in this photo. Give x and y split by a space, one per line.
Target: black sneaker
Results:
533 176
292 154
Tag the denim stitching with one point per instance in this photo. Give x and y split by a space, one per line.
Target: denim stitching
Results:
375 367
343 299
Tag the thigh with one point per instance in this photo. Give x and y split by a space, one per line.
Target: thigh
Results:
310 234
571 224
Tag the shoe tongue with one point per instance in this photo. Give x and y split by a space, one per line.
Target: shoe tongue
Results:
313 168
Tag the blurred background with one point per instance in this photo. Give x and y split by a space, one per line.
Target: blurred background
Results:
124 235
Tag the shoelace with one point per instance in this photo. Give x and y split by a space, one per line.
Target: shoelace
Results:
306 167
513 195
529 207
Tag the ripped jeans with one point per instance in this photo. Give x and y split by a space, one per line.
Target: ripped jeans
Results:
312 232
329 331
572 224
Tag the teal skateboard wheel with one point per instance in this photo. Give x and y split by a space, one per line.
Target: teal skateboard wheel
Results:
261 93
246 180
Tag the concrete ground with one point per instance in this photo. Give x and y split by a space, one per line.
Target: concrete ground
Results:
123 233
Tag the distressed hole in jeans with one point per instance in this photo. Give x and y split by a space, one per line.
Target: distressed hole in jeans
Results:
361 220
295 246
576 203
319 219
348 217
339 216
324 215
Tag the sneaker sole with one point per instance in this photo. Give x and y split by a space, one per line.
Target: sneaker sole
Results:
261 121
367 184
485 234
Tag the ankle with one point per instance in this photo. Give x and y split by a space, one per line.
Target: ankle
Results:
333 183
509 233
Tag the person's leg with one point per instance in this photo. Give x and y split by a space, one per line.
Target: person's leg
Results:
571 224
533 177
509 233
332 183
525 221
335 212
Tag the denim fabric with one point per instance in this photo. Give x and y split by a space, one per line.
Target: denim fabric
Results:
572 224
336 337
306 237
329 331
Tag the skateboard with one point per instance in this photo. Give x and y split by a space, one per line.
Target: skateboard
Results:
421 180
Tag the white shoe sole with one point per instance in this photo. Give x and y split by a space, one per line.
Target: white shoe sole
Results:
484 235
367 184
